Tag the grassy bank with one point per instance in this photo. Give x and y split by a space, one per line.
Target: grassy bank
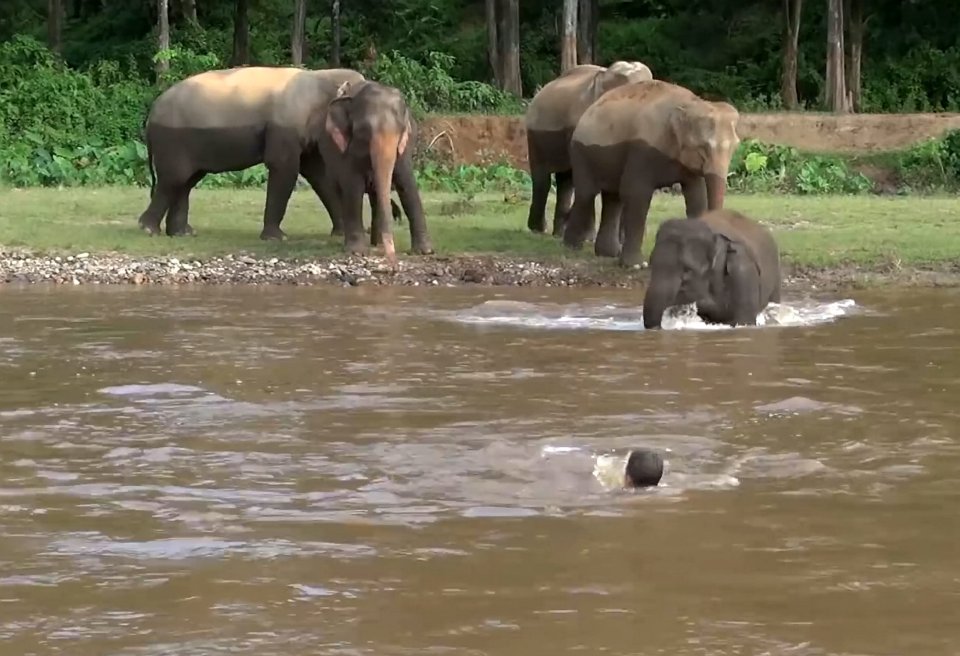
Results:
867 232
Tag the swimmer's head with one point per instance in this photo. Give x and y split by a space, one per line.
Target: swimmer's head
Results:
644 469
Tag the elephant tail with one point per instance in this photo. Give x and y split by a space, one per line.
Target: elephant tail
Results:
150 166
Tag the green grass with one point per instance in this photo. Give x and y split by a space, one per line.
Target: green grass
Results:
811 230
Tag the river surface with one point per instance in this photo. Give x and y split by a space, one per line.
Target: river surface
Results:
318 470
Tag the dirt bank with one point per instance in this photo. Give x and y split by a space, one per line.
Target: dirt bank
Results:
475 139
23 267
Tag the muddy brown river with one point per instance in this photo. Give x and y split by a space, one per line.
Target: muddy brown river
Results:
410 471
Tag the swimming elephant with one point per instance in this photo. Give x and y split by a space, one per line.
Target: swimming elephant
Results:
723 261
635 139
371 133
550 119
230 120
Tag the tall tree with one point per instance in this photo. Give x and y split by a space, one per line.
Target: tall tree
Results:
493 42
298 37
163 34
189 9
791 49
241 34
588 14
568 46
855 28
335 33
55 25
835 96
508 29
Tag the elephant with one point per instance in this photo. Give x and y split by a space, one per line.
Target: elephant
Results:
638 138
369 134
550 119
230 120
726 263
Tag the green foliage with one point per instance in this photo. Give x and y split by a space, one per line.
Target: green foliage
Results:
766 167
472 179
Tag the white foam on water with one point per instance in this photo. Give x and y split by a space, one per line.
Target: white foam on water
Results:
610 317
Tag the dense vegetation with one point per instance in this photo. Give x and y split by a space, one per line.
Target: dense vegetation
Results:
74 92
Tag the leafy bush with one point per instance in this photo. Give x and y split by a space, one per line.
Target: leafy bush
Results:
766 167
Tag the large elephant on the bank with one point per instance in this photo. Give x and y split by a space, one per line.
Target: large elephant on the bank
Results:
550 119
369 148
232 119
723 261
638 138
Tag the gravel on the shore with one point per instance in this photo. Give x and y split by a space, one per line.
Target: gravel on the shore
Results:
117 269
25 267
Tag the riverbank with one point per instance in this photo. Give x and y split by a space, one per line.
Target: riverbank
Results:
89 236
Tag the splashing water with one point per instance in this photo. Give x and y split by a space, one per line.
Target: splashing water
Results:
610 317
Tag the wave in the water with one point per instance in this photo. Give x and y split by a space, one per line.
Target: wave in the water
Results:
609 317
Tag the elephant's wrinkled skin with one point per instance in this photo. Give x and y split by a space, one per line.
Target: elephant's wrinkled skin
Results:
724 262
635 139
230 120
550 119
369 146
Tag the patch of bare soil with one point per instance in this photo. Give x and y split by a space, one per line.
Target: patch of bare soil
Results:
476 139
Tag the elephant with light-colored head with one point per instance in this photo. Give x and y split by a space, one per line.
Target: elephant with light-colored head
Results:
550 119
232 119
638 138
723 261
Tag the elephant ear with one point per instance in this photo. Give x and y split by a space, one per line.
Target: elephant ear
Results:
405 137
337 124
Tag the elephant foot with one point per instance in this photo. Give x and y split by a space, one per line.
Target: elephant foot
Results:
153 231
422 248
606 248
272 233
631 261
537 225
336 231
185 231
356 247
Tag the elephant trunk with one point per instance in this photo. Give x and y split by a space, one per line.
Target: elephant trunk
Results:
662 291
716 188
383 158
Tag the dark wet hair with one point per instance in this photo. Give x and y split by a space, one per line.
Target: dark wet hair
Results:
644 468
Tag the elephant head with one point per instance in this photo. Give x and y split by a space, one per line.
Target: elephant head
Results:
688 265
706 138
617 74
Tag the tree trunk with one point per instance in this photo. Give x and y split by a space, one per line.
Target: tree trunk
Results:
163 34
189 9
791 47
587 15
241 34
55 25
335 33
856 29
836 91
568 46
509 32
493 43
299 23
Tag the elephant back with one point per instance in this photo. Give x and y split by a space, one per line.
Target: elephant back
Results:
559 104
224 98
634 111
307 94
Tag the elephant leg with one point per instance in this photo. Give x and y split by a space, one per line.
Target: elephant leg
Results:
607 243
178 218
564 201
376 217
409 192
352 189
581 219
280 183
540 177
695 196
636 205
314 172
161 200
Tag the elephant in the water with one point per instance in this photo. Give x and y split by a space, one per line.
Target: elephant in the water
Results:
723 261
550 119
230 120
638 138
369 147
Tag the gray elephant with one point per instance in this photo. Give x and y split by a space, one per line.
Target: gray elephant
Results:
723 261
230 120
371 133
638 138
550 119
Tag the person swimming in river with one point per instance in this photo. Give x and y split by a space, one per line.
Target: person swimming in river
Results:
641 468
